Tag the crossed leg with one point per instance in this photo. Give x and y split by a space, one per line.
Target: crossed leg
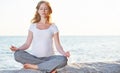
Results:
50 64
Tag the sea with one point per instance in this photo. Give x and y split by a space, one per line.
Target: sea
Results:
82 49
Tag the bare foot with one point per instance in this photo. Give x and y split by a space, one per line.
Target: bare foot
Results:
54 71
30 66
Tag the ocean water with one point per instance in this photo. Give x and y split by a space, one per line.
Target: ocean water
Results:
82 49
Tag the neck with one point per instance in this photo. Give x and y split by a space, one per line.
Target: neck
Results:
44 21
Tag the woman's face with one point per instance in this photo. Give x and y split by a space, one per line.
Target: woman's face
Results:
44 10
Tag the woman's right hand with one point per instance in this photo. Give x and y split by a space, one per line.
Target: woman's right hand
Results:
13 48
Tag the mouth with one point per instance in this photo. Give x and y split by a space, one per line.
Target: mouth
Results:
43 13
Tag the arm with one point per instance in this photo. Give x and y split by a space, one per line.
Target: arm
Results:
58 45
26 44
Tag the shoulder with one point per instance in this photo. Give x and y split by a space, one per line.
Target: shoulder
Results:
53 25
54 28
32 26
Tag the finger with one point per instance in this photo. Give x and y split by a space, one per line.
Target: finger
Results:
10 48
13 46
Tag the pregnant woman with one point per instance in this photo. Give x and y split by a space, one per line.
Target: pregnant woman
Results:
41 34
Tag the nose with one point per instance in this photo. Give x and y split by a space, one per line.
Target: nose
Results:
43 10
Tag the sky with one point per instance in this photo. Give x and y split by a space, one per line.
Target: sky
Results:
73 17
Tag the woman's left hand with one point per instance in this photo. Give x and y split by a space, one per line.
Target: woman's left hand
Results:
67 54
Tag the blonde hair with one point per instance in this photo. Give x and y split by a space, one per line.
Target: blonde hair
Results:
37 17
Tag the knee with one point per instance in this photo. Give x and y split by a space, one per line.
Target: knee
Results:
18 55
63 60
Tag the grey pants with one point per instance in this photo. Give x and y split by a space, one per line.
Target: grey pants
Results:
45 64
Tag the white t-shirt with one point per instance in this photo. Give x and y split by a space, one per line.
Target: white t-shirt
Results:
42 43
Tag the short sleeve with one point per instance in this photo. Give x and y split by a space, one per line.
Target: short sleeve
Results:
31 27
55 29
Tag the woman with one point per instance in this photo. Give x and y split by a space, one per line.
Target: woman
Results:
41 35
